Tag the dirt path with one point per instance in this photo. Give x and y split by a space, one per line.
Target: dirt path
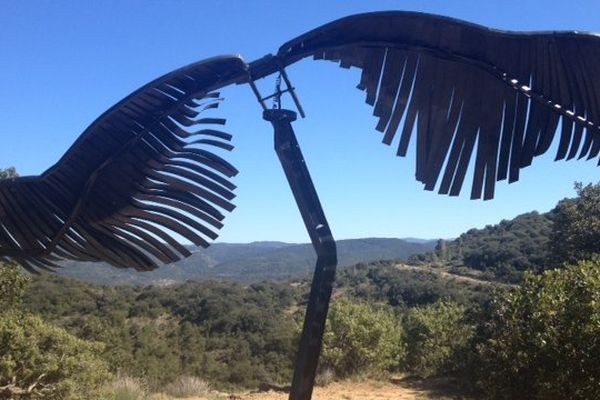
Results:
353 391
448 275
398 389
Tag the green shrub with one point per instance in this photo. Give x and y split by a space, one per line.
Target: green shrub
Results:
44 361
361 338
575 232
13 284
435 334
542 341
8 173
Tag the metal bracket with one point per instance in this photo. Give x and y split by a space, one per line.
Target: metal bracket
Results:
273 63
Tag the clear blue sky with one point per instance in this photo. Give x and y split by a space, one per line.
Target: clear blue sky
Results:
65 62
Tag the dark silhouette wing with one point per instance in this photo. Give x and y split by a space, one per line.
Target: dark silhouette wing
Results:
474 94
144 172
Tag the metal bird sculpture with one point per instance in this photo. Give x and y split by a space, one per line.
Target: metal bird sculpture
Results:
147 169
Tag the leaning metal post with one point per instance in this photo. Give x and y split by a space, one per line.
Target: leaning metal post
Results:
298 177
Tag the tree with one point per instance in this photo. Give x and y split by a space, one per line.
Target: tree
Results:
575 234
13 284
361 338
441 250
542 339
7 173
39 360
435 334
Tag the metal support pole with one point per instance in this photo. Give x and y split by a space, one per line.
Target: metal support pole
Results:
298 177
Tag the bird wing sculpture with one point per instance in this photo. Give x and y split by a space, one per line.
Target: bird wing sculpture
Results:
141 172
470 91
147 169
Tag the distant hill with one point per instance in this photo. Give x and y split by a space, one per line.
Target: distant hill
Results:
249 262
504 250
420 241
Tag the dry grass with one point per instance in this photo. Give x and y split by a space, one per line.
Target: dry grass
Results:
325 378
159 396
366 390
126 388
187 387
398 389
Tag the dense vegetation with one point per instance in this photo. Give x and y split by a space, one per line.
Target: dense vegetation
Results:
576 228
504 250
245 336
437 335
63 339
541 341
530 242
227 333
362 338
41 360
385 282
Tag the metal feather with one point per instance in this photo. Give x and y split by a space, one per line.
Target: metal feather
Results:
469 96
470 92
142 176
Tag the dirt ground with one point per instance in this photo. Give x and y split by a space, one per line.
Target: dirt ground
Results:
397 389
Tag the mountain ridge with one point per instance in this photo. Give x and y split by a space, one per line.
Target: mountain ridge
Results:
248 262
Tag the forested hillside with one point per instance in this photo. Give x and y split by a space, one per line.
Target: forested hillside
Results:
532 242
385 318
228 333
251 262
503 251
64 339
